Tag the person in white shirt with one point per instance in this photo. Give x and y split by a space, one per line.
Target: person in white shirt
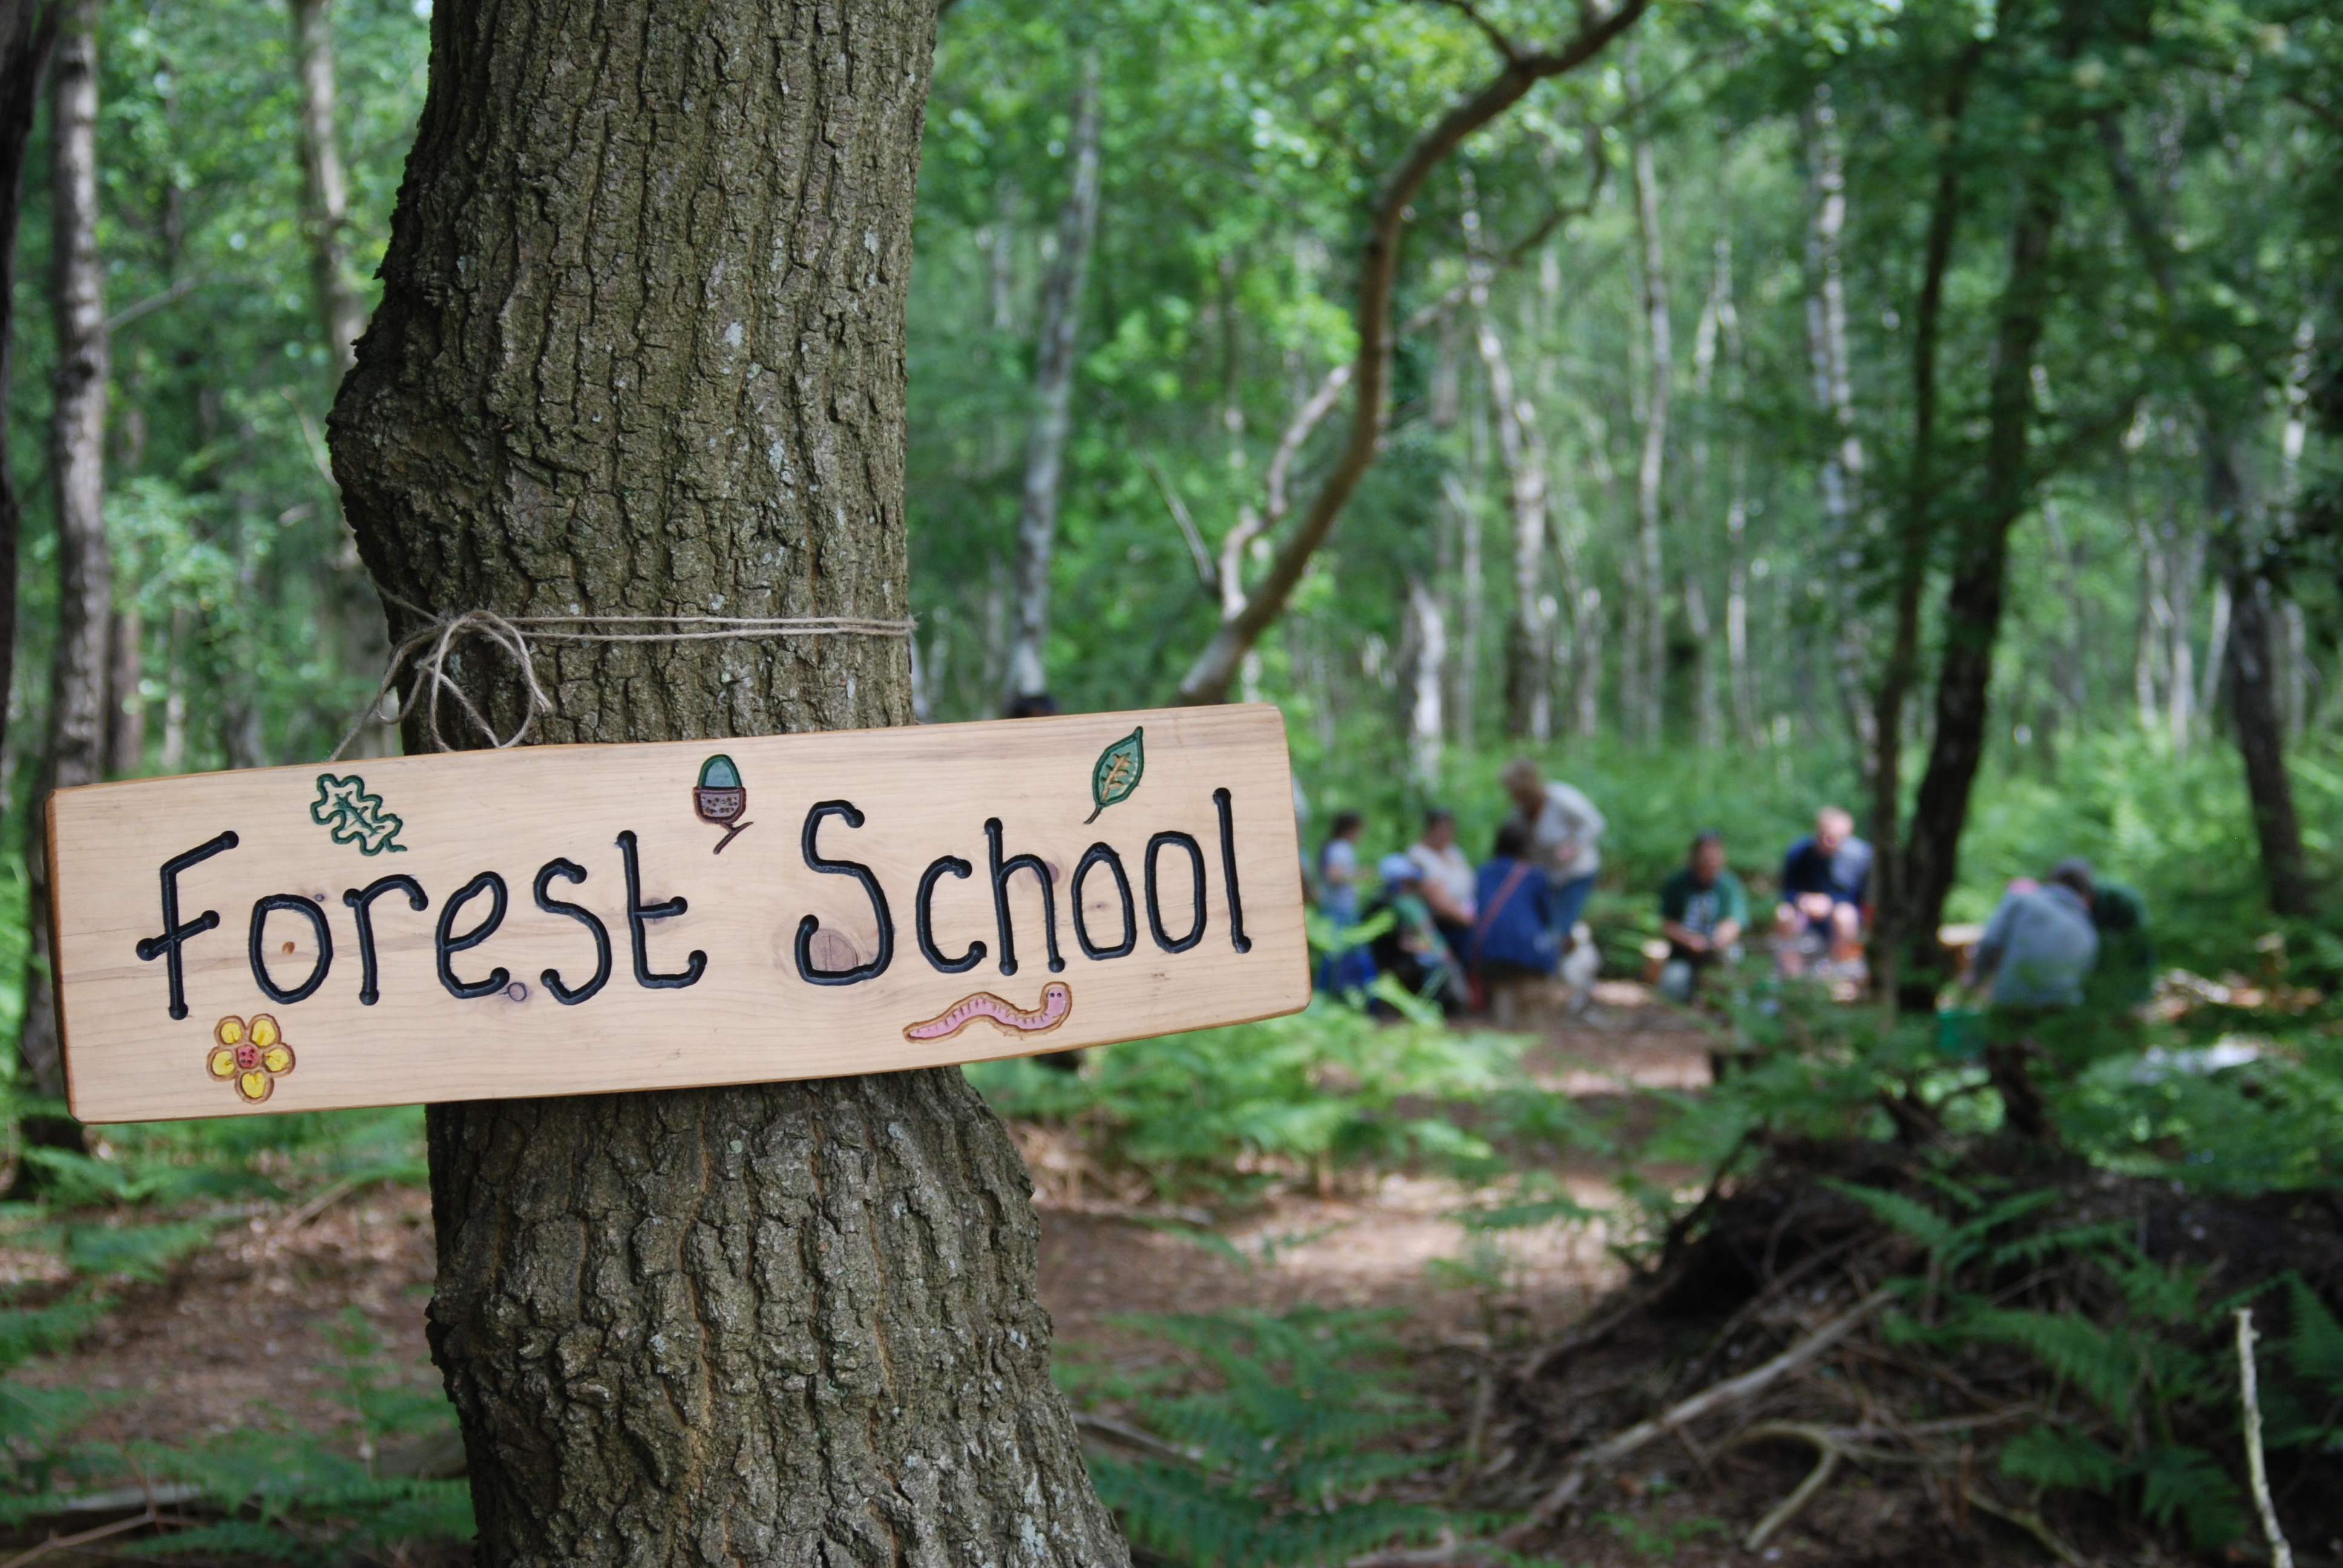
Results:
1565 836
1448 881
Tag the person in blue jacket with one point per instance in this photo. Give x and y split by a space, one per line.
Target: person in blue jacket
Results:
1513 928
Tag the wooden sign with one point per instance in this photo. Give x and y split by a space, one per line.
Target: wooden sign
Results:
581 919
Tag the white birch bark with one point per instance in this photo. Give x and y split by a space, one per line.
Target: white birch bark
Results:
1054 387
78 690
1426 726
1651 471
1521 447
326 197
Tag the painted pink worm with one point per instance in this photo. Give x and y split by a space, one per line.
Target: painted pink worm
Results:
1057 1001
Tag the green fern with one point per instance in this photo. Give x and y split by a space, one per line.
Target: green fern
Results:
2048 1457
2106 1365
2314 1344
2182 1484
1292 1448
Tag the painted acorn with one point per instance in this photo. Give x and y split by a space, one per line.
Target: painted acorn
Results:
719 799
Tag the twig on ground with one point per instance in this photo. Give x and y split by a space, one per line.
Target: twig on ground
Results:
2281 1554
1824 1444
67 1542
1611 1450
325 1200
1583 1337
1130 1436
1741 1314
2025 1519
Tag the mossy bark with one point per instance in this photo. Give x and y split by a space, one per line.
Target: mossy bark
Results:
641 352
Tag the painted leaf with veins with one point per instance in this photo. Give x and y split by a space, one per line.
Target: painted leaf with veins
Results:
1117 773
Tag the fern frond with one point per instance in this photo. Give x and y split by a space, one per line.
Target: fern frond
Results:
2048 1457
2104 1365
2314 1342
2182 1483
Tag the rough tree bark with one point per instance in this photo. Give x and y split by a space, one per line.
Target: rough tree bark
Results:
1914 543
28 30
1208 678
1053 390
77 687
1649 710
641 351
325 193
1973 600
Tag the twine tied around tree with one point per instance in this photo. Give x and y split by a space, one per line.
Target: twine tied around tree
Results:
429 648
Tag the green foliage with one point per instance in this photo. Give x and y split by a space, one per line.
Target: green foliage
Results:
1297 1430
1221 1109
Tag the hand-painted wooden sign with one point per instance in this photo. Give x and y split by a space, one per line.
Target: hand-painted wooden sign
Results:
581 919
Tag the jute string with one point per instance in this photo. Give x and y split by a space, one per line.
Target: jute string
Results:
429 648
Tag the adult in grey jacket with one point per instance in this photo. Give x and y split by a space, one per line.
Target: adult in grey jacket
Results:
1566 837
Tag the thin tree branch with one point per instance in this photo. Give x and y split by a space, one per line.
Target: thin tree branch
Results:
152 303
1205 572
1208 679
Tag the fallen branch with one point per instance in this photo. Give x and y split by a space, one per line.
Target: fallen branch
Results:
2025 1519
1611 1450
1824 1444
2281 1554
67 1542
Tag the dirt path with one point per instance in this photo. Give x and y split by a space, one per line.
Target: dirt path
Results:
244 1334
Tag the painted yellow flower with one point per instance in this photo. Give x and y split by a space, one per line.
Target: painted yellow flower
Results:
254 1055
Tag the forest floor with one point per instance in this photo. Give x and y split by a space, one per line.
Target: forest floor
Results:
253 1331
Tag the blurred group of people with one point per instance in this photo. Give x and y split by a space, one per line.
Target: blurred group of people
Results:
1453 932
1456 930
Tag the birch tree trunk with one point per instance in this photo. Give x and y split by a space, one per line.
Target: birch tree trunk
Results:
28 30
77 688
1842 477
1521 446
1651 474
1053 390
325 193
642 352
1429 626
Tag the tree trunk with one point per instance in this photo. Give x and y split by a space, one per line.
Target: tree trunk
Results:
126 707
77 717
1529 704
1651 474
642 352
1972 601
28 30
1053 390
325 196
1916 543
2254 715
1429 626
2243 659
1465 506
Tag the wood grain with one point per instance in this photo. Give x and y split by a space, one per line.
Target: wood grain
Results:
751 1015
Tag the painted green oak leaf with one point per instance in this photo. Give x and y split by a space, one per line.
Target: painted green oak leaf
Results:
1117 773
356 817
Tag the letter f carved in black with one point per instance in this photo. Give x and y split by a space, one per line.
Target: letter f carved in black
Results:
177 932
